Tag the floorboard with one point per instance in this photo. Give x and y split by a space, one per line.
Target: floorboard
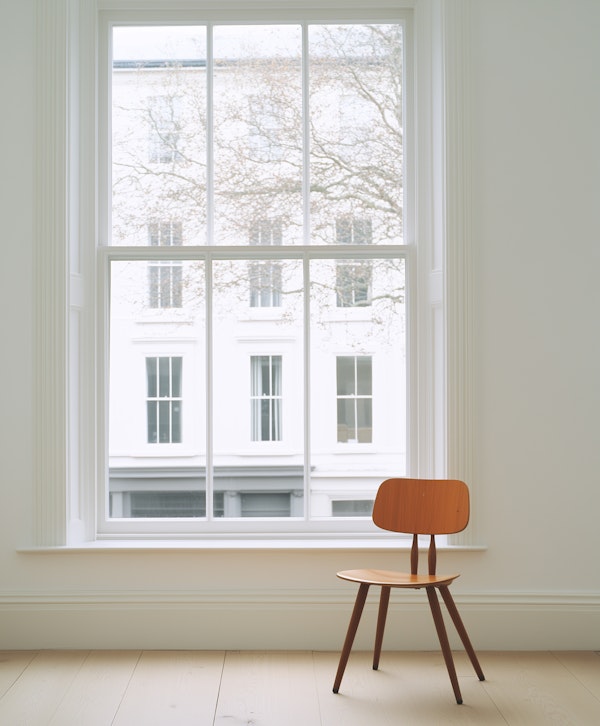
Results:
536 689
97 690
172 688
35 696
270 689
202 688
408 688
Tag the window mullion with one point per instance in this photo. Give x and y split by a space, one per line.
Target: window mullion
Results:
305 138
208 474
210 189
307 387
210 171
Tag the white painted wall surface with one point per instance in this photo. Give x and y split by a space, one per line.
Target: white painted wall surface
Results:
536 232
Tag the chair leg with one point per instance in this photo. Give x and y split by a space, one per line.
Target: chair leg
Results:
352 628
438 619
462 631
384 600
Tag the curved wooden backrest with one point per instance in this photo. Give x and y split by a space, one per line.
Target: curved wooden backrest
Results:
422 506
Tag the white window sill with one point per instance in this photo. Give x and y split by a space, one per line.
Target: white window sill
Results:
199 545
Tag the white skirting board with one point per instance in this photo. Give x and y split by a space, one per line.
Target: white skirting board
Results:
291 620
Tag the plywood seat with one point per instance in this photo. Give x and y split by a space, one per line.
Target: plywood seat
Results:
391 578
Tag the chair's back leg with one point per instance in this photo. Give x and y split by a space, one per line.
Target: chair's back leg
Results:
462 631
438 619
383 608
352 628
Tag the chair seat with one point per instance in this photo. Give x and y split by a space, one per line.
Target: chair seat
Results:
390 578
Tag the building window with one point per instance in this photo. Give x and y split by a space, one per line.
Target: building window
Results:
165 283
165 234
353 277
163 399
265 284
266 232
349 231
266 399
353 283
259 234
354 399
209 194
163 135
265 127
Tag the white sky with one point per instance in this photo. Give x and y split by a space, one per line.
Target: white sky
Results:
230 41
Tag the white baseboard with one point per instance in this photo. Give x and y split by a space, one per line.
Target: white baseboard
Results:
288 619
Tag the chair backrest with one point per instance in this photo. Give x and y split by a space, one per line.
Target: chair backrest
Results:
422 506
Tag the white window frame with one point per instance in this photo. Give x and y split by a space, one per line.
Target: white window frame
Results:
70 424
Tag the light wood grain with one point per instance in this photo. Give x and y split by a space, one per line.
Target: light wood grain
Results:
408 688
33 699
181 688
97 690
270 689
172 688
12 664
536 689
585 666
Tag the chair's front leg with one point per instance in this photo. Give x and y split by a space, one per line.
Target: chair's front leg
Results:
352 628
438 619
383 608
462 631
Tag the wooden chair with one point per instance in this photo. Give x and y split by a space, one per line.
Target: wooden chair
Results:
415 506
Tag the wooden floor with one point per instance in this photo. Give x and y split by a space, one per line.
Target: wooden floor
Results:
161 688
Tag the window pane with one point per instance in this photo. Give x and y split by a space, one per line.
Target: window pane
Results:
276 375
152 422
364 415
164 377
152 377
346 419
356 133
155 364
363 376
258 397
176 377
358 387
345 375
176 286
176 422
164 422
158 134
258 134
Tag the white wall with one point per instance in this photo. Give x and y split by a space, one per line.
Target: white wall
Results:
536 231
